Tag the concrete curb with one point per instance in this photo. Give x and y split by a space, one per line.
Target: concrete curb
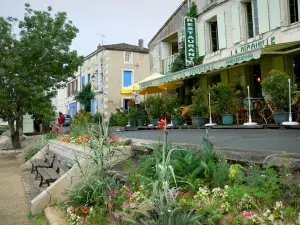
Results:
260 156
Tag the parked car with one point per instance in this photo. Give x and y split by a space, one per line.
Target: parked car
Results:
68 119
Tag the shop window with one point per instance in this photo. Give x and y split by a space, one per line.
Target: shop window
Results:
252 18
294 14
174 48
214 36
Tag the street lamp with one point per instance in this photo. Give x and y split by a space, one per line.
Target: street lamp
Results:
93 77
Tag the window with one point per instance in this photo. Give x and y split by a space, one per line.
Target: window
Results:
294 14
127 78
214 36
252 18
127 57
89 78
72 88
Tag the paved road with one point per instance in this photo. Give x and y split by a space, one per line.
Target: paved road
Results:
262 139
13 202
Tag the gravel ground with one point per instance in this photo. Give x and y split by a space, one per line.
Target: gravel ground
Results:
14 206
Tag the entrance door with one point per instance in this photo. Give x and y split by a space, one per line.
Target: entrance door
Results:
297 71
255 79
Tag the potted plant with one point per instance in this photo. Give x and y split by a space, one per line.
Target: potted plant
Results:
154 108
198 109
276 92
141 114
221 95
173 109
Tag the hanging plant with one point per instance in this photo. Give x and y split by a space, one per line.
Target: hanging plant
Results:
193 10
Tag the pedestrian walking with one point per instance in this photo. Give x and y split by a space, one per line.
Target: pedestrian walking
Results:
61 120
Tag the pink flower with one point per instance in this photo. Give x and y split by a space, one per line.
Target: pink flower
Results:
82 218
110 205
116 191
132 205
114 195
129 193
125 204
247 215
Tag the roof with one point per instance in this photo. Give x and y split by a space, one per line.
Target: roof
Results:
119 47
166 23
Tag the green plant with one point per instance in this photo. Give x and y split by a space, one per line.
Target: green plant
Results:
141 111
275 86
193 10
84 97
221 96
31 153
118 118
154 104
220 176
172 105
199 107
37 220
132 113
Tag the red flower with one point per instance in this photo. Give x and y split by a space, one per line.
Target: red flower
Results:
57 129
229 219
247 214
74 211
161 124
84 209
129 193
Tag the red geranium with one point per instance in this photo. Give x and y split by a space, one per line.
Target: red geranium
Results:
161 124
229 219
57 129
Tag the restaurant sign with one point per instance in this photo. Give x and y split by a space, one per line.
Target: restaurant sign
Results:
190 41
253 45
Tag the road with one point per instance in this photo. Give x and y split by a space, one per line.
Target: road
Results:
259 139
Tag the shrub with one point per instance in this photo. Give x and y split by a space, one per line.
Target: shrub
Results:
172 105
154 106
118 118
221 95
199 107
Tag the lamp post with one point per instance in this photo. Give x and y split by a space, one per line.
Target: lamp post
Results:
210 124
250 123
290 122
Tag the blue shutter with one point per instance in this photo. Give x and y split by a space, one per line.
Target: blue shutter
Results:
97 77
92 106
89 78
127 78
97 103
82 81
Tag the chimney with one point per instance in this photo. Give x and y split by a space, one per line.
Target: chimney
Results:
141 43
99 46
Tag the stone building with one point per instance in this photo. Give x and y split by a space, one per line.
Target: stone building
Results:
240 41
108 69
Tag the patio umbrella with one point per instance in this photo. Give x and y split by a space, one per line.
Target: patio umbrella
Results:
127 91
161 88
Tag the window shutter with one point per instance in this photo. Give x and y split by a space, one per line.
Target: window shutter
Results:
82 80
127 78
97 103
275 18
221 30
201 39
298 8
92 105
263 16
97 77
236 28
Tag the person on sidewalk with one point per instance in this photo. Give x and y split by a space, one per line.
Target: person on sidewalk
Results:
61 120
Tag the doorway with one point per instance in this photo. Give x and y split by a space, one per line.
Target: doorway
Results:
255 79
297 71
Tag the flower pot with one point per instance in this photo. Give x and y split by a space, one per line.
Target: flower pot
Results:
281 117
154 122
133 123
227 119
198 121
177 121
140 122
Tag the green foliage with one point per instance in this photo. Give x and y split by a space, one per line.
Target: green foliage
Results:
31 153
221 96
35 63
193 10
199 106
132 113
179 62
37 220
220 176
172 105
154 104
97 118
141 111
275 87
84 97
118 118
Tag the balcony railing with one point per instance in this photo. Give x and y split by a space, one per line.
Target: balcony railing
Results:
167 62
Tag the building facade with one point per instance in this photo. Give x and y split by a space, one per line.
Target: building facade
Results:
239 42
109 69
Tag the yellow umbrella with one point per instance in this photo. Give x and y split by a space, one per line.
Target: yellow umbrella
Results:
161 88
127 91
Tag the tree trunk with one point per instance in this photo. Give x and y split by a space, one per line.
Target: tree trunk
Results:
15 133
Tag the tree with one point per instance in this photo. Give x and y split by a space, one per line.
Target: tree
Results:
34 65
84 97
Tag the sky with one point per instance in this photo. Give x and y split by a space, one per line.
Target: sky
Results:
121 21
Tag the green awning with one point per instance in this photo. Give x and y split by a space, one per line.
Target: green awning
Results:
280 48
204 68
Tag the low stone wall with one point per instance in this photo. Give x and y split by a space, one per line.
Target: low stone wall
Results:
56 192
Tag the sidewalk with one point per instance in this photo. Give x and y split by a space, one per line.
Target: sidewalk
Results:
13 202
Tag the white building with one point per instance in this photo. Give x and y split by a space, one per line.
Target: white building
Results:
109 69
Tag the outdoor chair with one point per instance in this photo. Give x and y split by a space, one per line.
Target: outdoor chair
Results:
47 162
240 112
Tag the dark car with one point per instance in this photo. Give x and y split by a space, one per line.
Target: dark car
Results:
68 119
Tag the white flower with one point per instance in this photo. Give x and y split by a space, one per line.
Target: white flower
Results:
169 210
278 205
226 187
271 218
